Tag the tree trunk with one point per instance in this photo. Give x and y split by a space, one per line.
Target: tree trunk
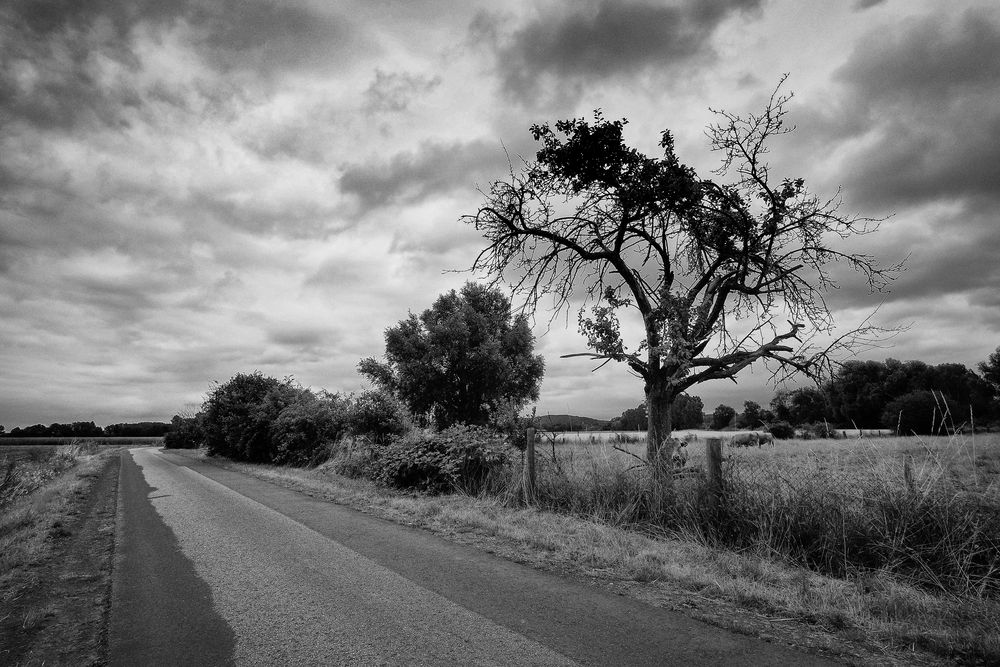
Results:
659 445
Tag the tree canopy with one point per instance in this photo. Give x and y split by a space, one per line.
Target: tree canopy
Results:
718 275
466 359
860 391
991 371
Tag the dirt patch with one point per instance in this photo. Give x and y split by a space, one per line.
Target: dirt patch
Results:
58 613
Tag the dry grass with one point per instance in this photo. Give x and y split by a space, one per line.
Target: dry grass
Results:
32 501
890 615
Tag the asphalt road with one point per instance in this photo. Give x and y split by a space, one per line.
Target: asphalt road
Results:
214 567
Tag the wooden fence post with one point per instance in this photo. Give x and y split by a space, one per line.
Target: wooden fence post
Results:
908 473
529 467
713 466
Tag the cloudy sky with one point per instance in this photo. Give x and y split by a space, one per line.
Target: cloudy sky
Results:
190 188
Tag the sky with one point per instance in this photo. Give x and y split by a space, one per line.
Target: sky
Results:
190 189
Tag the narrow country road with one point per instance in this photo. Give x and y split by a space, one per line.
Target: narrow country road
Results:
214 567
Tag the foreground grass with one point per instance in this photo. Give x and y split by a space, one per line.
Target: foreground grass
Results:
870 617
41 506
33 507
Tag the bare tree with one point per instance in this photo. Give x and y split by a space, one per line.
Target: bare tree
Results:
722 274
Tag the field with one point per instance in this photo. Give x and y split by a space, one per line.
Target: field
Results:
9 445
971 462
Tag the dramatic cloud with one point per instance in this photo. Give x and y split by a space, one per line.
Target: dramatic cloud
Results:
433 169
393 92
195 188
920 114
593 41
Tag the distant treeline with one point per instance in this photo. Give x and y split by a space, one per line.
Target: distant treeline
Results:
90 430
903 396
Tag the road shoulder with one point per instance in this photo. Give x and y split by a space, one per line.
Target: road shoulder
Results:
58 614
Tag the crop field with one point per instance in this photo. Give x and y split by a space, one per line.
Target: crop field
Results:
16 449
968 462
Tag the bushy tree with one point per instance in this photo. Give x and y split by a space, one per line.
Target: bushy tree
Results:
184 433
463 360
860 391
752 415
805 405
685 257
990 370
377 415
919 412
237 416
722 417
687 413
304 430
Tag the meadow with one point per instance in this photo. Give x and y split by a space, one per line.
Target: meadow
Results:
926 509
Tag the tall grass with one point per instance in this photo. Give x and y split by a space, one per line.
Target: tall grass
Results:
927 511
23 474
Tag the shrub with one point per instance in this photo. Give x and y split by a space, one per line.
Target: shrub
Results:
305 429
184 433
460 458
237 416
781 430
377 415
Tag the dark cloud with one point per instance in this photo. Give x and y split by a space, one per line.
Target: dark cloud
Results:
274 37
393 91
433 169
68 64
921 108
600 40
308 339
861 5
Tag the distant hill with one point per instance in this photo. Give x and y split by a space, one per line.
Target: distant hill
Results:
569 423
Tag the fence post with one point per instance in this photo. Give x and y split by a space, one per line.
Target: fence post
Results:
713 466
908 473
529 467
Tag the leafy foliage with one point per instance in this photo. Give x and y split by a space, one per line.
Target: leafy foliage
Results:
918 412
991 371
722 416
686 412
305 429
377 415
781 430
860 391
461 361
184 433
459 458
237 416
805 405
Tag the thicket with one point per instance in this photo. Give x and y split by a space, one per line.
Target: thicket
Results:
261 419
460 458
